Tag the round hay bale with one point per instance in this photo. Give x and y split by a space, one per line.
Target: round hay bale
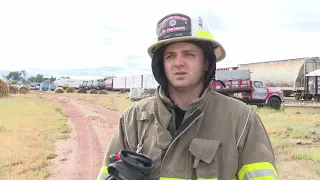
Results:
23 90
13 89
81 90
103 92
70 90
4 88
59 90
93 91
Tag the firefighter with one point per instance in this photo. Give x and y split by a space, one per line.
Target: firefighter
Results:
189 131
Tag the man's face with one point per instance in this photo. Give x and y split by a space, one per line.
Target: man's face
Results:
184 65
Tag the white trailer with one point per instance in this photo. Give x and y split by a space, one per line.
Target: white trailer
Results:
149 82
66 82
119 83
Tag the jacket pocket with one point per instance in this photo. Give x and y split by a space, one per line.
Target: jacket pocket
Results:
205 156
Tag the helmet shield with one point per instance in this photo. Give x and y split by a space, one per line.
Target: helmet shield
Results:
174 25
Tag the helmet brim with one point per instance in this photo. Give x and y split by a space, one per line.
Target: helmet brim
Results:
219 51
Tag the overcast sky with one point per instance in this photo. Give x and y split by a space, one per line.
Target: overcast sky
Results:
96 38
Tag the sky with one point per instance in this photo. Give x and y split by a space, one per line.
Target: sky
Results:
93 39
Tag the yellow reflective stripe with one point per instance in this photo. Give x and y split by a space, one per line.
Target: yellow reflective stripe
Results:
204 34
103 174
260 170
154 40
169 178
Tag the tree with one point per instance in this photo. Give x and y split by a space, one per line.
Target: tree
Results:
14 75
31 79
52 79
23 73
110 77
39 78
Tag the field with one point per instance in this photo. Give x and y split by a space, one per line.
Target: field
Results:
32 124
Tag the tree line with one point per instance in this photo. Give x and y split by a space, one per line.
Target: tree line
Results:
19 77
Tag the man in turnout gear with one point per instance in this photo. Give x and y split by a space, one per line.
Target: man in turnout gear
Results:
186 129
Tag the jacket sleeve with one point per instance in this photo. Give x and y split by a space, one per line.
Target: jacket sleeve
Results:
117 143
256 155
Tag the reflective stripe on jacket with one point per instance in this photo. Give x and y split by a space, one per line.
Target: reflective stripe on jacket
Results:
220 138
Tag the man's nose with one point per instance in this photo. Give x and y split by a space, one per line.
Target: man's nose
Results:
179 61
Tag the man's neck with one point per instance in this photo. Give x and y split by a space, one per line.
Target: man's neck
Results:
184 98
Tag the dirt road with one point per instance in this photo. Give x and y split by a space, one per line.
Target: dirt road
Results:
80 157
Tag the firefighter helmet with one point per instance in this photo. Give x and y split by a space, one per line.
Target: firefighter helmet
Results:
180 27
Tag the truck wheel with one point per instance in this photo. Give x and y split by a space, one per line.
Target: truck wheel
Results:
274 103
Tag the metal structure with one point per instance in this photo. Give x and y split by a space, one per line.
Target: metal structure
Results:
125 83
313 86
287 75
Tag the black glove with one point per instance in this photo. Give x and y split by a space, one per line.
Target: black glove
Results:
130 166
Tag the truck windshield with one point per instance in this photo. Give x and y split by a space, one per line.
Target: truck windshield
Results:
258 84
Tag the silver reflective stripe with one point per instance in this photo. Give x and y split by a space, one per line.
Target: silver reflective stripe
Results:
102 176
259 173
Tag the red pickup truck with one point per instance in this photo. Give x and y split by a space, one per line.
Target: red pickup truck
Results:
239 85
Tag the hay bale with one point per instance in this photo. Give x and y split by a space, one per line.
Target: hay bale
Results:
93 91
59 90
13 89
81 90
4 88
70 90
23 90
103 92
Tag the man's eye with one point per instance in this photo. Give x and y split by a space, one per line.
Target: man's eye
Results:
169 56
189 54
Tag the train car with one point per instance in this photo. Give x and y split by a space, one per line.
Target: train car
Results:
287 75
108 84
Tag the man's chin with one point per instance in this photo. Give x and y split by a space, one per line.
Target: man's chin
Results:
180 85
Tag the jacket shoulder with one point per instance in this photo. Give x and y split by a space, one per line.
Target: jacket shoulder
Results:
139 109
229 101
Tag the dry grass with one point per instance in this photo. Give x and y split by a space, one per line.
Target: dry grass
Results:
296 140
59 90
81 90
4 88
13 89
29 126
70 90
93 91
103 92
23 90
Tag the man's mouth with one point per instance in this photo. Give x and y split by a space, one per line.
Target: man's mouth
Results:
180 73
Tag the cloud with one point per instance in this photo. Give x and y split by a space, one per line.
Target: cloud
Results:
99 38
